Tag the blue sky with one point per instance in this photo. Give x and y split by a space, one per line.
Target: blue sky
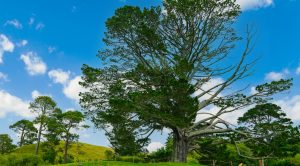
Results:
43 45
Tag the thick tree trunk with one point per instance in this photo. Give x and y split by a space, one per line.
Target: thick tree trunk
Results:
66 151
180 147
39 139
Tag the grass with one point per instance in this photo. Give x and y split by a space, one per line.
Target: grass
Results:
119 163
80 151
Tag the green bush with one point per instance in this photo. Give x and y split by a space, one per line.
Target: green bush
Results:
21 160
109 155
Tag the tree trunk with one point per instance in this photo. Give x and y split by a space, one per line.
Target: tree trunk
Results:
22 138
39 139
66 151
180 147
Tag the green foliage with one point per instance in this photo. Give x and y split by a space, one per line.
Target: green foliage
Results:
109 155
155 63
6 144
132 159
26 130
271 131
21 160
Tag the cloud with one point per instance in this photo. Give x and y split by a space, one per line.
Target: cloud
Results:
13 104
22 43
254 4
72 89
59 76
154 146
34 64
15 23
31 21
35 94
51 49
5 46
291 106
208 85
298 71
39 26
275 76
3 77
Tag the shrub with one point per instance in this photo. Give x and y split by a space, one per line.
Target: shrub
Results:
22 160
109 155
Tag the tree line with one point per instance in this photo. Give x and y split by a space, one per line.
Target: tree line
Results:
51 125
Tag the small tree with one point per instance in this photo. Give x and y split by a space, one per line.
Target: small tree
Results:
53 133
43 107
271 133
27 132
6 145
70 120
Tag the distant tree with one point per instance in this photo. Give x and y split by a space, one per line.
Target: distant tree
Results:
27 132
168 56
70 120
52 134
271 133
43 106
6 145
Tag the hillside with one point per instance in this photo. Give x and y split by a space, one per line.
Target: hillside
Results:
80 151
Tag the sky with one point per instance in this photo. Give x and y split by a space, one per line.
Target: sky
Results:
43 45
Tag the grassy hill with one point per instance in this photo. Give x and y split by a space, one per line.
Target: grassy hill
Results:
80 151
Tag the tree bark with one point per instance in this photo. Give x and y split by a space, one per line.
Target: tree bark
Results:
180 147
39 139
22 137
66 151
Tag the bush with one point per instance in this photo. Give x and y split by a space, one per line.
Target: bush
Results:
21 160
161 155
109 155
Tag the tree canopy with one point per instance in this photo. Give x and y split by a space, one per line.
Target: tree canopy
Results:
167 57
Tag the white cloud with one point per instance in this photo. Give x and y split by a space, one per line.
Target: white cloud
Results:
274 76
35 94
72 89
39 26
154 146
253 90
59 76
34 64
208 85
3 77
22 43
31 21
291 106
5 46
13 104
14 23
254 4
298 71
51 49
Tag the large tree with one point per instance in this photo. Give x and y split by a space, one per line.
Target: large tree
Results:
42 106
169 58
27 132
6 144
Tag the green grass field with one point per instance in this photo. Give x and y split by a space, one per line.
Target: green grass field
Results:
80 151
118 163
